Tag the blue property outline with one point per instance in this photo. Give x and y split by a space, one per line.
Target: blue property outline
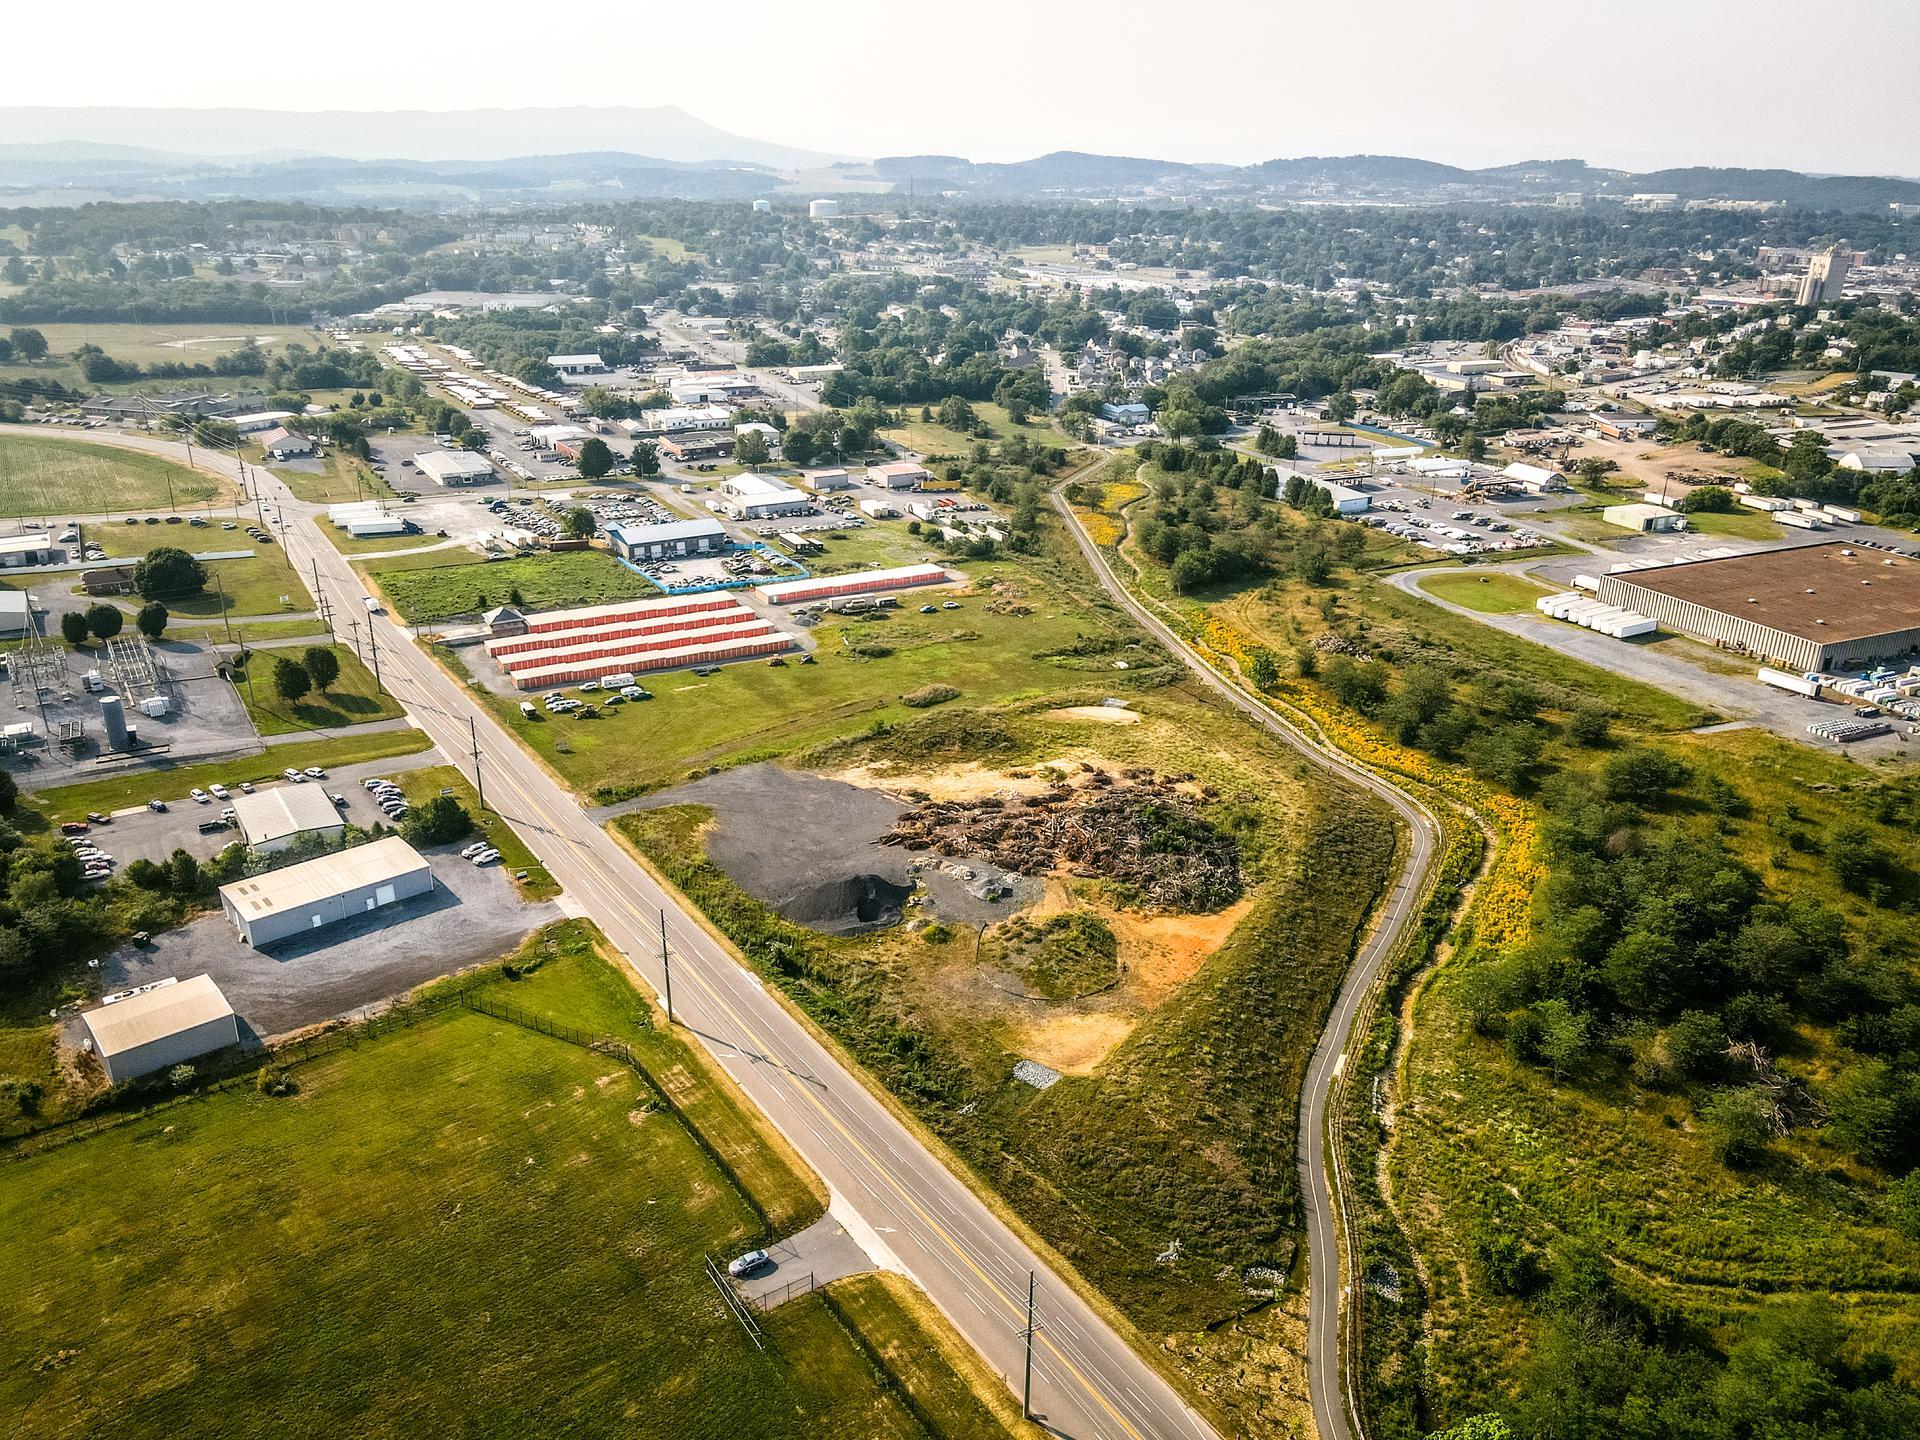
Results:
766 552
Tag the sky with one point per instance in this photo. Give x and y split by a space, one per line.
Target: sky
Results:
1635 84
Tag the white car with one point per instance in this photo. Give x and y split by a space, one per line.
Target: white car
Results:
473 849
246 787
315 772
375 783
219 792
486 857
199 796
293 775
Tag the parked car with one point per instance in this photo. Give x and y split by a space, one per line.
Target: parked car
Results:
316 772
486 857
219 792
199 796
158 806
73 827
293 775
749 1263
96 818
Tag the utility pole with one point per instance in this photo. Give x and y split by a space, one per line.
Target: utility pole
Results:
479 782
1026 1390
373 649
319 595
666 966
221 590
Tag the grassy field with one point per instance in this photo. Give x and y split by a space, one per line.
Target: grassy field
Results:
48 476
927 437
148 345
442 585
1494 594
247 629
421 785
165 782
263 583
430 1203
352 699
342 479
1742 523
1017 635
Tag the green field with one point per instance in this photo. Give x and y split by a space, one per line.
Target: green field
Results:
263 583
445 584
149 345
49 476
929 437
507 1222
341 479
1742 523
1492 594
421 785
166 782
352 699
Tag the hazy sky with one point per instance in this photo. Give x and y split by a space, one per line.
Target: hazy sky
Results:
1632 83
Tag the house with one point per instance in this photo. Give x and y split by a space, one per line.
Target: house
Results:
504 620
281 443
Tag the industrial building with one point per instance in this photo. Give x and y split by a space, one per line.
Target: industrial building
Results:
761 497
822 482
823 209
565 647
160 1026
1644 519
577 364
897 475
1808 608
860 582
309 896
16 613
274 819
1346 500
19 550
454 467
667 540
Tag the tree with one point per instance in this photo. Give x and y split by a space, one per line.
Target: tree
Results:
750 448
321 664
1640 776
798 445
1595 470
579 524
646 458
595 458
9 792
166 571
1340 408
290 681
152 620
1262 669
1563 1035
1588 726
28 344
73 628
1476 1427
105 621
438 821
1739 1122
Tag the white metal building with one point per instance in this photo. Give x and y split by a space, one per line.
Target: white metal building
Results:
577 364
18 550
898 475
158 1028
667 540
317 893
16 613
761 497
454 467
274 819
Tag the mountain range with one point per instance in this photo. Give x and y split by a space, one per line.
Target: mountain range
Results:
58 155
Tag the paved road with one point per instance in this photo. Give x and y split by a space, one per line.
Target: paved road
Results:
909 1209
1319 1185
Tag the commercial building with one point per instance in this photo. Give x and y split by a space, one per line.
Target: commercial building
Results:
823 210
678 419
281 443
274 819
822 482
686 448
1644 519
860 582
19 550
1346 500
316 893
577 364
158 1027
711 388
1826 274
564 647
668 540
454 467
16 613
761 497
1811 607
1130 413
1535 478
897 475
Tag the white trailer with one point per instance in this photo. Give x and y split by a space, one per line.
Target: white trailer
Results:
1781 680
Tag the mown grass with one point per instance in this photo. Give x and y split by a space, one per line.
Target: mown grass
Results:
443 585
501 1219
55 476
352 699
1492 594
263 583
341 478
172 782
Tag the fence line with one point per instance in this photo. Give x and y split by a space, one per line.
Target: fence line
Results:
889 1378
772 1299
734 1303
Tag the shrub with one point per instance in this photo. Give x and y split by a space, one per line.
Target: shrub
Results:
929 695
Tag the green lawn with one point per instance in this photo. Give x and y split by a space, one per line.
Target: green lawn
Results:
1742 523
263 583
342 479
462 1226
148 345
929 437
421 785
445 584
168 782
352 699
1493 594
46 475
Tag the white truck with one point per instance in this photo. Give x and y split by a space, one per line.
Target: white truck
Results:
373 606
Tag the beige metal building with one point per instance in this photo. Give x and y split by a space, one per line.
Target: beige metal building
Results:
162 1027
316 893
273 819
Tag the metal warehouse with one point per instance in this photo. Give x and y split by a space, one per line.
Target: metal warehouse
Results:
317 893
667 540
1813 607
761 497
273 819
161 1026
860 582
447 467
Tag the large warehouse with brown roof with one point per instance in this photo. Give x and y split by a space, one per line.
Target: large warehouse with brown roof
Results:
1811 607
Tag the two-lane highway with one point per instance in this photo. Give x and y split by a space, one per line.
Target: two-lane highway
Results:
894 1189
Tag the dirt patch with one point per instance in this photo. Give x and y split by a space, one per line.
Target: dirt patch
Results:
1073 1044
1103 714
1160 953
970 781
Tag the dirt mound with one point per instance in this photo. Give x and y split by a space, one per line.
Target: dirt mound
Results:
840 907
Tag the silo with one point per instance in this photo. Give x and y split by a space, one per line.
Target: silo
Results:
114 718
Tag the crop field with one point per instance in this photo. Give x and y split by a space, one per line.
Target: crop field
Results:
352 699
428 1203
1020 632
49 476
441 585
1180 1069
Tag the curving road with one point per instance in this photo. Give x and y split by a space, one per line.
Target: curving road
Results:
1320 1184
902 1198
